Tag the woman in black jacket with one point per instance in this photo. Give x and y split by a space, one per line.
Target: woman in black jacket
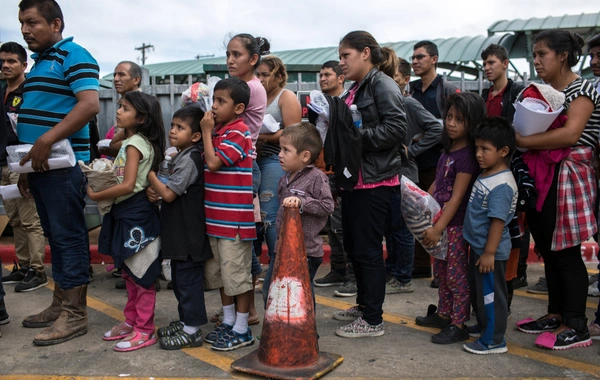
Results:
380 101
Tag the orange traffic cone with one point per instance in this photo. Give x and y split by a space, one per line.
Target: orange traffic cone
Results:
289 347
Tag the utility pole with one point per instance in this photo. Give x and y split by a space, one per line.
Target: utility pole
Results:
143 49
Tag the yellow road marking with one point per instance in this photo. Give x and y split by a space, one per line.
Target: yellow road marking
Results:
223 361
512 348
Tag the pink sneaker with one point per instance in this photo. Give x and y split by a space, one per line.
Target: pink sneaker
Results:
135 341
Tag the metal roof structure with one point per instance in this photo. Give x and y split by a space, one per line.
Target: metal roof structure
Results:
452 50
455 54
586 24
576 23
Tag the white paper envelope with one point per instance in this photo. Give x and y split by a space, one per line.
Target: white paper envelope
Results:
528 122
10 192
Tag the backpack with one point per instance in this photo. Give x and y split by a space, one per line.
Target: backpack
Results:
342 146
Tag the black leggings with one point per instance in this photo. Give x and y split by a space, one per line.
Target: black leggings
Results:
566 274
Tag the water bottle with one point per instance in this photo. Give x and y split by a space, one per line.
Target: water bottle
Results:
356 116
163 170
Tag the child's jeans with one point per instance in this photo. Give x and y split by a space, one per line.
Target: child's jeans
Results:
139 310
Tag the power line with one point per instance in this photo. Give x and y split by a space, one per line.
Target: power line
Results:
143 49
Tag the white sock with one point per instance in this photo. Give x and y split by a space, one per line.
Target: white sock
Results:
191 329
241 323
229 314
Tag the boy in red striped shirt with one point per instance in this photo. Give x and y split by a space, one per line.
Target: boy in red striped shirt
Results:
229 210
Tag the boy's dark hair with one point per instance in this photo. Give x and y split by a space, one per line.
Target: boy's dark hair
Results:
404 67
497 50
14 48
499 132
304 136
430 47
191 114
152 127
470 107
333 65
593 42
237 89
49 9
135 71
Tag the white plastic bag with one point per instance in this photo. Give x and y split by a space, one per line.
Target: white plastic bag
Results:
420 212
61 156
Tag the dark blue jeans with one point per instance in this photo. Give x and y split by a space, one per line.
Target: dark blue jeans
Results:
400 243
188 286
364 213
60 200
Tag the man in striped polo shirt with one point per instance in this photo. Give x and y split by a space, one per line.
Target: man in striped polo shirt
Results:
60 96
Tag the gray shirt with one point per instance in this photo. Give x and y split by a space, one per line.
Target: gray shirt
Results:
420 121
183 171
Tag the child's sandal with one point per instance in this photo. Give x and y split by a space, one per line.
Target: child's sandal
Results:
135 341
119 331
181 340
172 329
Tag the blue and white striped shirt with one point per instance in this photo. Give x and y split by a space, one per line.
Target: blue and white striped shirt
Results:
49 93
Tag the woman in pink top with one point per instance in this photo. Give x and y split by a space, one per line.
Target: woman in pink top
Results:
243 57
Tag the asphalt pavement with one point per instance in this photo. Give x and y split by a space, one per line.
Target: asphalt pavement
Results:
404 352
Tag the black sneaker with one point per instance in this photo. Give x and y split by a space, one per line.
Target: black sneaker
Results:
435 283
349 289
519 282
450 334
539 326
474 330
432 319
16 275
91 273
4 318
570 338
33 280
332 278
117 272
120 284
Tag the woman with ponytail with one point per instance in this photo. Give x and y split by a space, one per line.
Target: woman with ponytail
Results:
365 208
567 216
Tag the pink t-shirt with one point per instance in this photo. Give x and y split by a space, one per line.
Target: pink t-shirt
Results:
255 112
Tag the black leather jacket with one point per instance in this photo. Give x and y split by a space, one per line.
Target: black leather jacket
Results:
381 104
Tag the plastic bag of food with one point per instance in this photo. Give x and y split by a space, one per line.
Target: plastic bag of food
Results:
100 175
420 212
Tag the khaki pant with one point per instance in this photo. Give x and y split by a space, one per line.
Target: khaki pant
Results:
23 217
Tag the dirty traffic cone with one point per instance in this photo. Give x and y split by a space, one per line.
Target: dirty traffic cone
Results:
289 347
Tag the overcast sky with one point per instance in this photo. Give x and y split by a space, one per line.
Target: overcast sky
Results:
180 30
